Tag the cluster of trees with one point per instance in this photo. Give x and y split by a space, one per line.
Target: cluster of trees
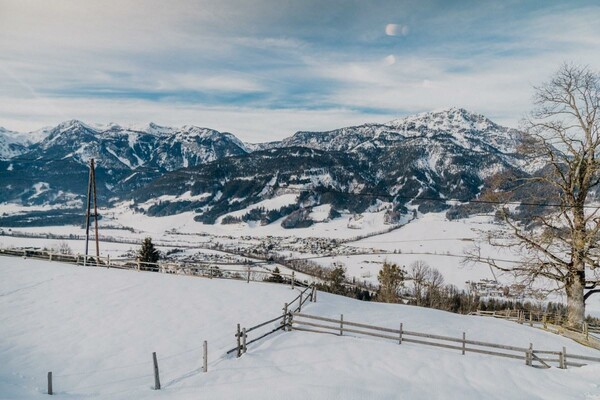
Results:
426 289
298 219
261 214
337 283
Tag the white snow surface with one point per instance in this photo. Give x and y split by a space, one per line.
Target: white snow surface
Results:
96 330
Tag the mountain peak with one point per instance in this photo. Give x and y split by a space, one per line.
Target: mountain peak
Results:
73 123
447 119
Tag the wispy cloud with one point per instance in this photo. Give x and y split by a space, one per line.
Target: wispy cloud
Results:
265 69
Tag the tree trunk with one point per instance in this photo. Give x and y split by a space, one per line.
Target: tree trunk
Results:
575 303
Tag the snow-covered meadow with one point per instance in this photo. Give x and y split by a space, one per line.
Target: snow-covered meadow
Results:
96 328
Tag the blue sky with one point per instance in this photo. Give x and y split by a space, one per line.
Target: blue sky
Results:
264 69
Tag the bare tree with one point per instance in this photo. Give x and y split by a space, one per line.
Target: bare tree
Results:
63 248
561 245
419 273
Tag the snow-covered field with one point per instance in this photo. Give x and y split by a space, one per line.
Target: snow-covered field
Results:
431 238
96 330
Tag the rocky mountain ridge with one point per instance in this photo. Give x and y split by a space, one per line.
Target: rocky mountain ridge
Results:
413 162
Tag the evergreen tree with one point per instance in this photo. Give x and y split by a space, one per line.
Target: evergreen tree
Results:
148 252
390 278
275 276
337 278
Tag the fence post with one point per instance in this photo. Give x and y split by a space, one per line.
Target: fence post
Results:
248 277
400 339
244 336
50 383
138 265
585 331
564 352
205 357
312 295
341 324
464 344
49 256
156 377
530 319
300 303
529 355
545 323
561 360
293 279
284 322
239 341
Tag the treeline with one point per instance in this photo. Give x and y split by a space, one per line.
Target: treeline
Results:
421 285
262 215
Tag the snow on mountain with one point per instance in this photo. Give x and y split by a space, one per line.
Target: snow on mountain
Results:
153 146
99 335
13 144
421 160
470 130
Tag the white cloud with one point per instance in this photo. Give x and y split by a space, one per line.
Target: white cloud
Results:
396 30
249 124
71 49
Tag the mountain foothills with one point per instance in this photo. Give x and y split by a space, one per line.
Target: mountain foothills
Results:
414 163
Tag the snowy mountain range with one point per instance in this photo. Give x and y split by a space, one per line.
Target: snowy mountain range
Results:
417 161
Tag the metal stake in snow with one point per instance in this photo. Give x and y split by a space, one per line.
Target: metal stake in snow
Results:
156 377
205 357
50 383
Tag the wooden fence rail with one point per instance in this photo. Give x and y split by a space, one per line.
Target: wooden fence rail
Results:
241 335
338 327
206 270
547 321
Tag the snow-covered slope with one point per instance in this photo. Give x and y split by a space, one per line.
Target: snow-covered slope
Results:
96 329
467 129
154 146
13 144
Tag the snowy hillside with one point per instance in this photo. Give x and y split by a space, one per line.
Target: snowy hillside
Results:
13 144
95 329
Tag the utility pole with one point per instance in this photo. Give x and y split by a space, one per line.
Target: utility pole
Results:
91 192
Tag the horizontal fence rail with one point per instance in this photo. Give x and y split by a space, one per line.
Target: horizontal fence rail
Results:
309 293
339 327
552 322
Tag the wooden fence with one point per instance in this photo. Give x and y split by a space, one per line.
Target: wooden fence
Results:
317 324
241 335
547 321
211 270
